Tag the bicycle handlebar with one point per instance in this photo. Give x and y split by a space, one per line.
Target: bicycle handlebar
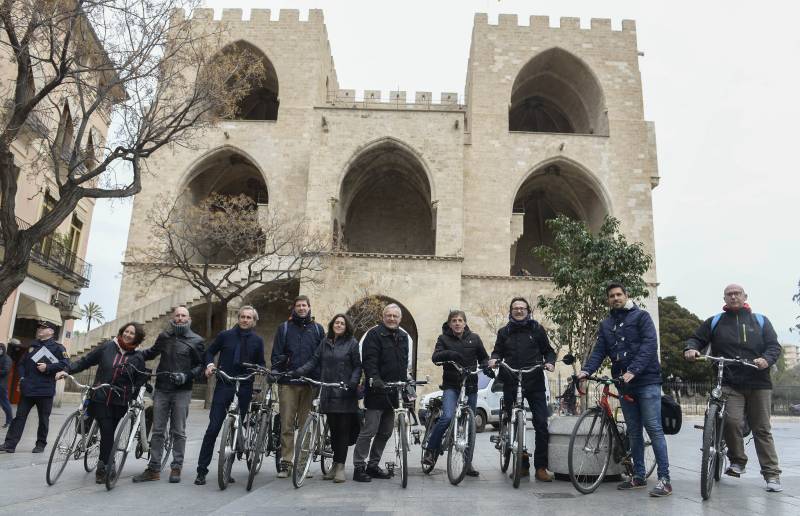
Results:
604 380
723 360
339 385
461 369
520 371
222 374
403 383
92 387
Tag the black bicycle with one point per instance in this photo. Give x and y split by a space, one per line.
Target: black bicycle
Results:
264 436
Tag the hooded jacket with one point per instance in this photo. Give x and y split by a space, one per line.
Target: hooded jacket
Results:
738 334
466 350
179 354
628 337
34 384
523 344
295 342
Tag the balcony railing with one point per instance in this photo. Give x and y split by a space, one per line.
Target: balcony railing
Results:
51 254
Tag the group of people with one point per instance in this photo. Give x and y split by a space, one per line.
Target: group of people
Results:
304 348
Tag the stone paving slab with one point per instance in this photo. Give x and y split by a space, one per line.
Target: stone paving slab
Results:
23 489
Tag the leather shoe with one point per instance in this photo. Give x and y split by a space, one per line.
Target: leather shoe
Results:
200 480
6 449
376 472
37 449
472 472
360 475
174 475
542 475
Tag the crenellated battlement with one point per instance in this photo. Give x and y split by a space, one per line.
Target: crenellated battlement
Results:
543 23
257 16
373 99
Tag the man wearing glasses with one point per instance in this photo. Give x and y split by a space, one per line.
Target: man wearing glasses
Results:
739 333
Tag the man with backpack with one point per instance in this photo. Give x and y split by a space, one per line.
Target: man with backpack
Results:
737 332
294 344
628 337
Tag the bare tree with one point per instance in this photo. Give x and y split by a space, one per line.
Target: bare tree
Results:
365 310
79 64
225 246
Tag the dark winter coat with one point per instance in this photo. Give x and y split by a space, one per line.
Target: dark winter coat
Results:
339 362
294 344
5 367
467 351
236 346
628 337
738 334
114 366
34 384
522 345
384 355
179 354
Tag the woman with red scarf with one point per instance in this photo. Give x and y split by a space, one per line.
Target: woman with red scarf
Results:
117 362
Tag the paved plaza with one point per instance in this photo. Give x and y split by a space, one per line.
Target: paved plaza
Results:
23 489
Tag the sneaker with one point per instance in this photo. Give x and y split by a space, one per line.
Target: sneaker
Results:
774 485
735 470
200 480
633 483
360 474
375 471
663 488
38 449
174 475
283 472
148 475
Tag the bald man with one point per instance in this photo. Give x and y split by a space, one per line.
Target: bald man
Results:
739 333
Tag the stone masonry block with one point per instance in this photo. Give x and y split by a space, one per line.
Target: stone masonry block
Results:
398 97
260 15
232 15
448 97
570 23
540 22
507 20
423 97
601 24
289 15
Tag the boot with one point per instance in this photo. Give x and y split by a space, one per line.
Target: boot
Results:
360 474
331 472
148 475
542 475
100 474
175 475
338 475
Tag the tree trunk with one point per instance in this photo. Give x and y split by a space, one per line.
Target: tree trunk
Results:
14 268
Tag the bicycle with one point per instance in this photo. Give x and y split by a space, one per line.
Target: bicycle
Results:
714 450
590 452
459 438
264 421
314 440
231 444
67 444
401 430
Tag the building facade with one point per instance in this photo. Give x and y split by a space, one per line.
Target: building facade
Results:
430 201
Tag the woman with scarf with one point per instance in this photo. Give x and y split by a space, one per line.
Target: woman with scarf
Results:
340 361
117 363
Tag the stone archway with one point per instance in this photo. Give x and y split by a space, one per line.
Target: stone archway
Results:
261 102
557 188
385 203
557 92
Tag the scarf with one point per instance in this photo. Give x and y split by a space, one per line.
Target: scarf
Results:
125 347
179 329
301 321
744 307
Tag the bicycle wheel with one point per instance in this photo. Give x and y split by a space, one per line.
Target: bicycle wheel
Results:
227 454
92 453
257 455
517 448
589 450
119 451
326 453
505 445
649 459
63 448
304 450
276 440
708 462
722 456
167 449
461 445
402 450
430 422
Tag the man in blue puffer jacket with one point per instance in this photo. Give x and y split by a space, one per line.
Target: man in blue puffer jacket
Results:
628 337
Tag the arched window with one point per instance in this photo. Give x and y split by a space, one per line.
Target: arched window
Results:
261 102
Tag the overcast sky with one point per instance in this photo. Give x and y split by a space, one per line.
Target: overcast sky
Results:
720 82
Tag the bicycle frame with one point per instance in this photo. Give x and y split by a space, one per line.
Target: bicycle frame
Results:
401 415
519 403
461 403
609 415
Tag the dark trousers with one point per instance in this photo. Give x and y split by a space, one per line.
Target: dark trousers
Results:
44 405
538 404
223 396
340 427
4 403
107 417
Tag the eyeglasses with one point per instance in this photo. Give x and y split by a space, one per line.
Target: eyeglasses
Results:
734 293
519 309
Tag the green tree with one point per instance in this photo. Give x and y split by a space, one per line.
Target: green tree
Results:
796 299
582 264
675 325
91 311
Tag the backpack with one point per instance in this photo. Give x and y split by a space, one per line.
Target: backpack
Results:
285 331
671 416
759 319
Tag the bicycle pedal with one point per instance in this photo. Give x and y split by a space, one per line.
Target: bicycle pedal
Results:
494 439
700 427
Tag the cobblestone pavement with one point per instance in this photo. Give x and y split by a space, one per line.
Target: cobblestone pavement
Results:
23 489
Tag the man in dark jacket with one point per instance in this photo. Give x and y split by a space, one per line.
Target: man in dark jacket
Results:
37 383
235 346
385 358
628 337
5 369
739 333
523 343
182 354
456 344
295 342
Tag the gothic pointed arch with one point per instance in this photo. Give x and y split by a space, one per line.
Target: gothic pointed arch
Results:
262 101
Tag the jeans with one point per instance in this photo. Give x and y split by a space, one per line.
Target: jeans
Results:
172 406
378 424
537 401
294 404
645 411
449 402
223 396
44 405
107 417
5 404
756 403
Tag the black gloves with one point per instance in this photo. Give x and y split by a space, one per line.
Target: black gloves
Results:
489 372
178 378
293 373
377 383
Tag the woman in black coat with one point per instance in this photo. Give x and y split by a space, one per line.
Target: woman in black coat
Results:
340 361
117 362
